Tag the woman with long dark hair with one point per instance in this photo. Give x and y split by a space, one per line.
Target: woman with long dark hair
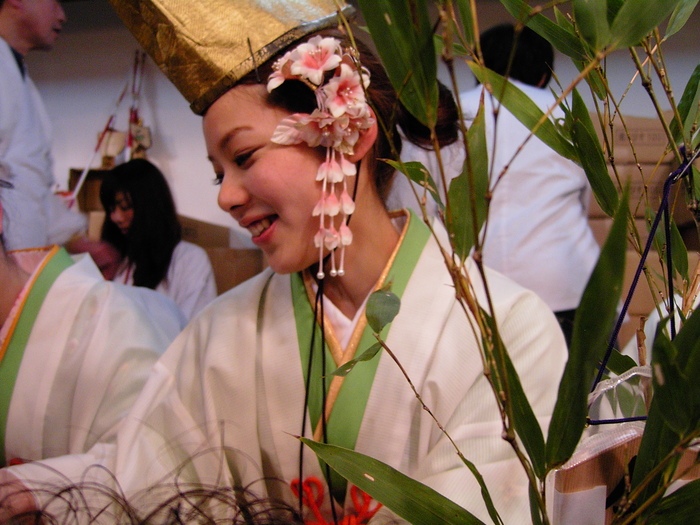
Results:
142 224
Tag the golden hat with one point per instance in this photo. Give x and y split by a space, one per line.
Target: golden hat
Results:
205 46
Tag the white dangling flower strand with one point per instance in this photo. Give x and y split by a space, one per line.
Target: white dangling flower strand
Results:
336 124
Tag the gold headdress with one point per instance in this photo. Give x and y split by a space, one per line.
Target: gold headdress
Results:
204 47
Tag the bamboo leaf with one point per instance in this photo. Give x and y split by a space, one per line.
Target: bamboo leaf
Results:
403 37
680 508
619 364
382 307
591 156
637 18
418 173
467 17
671 387
559 35
524 420
679 252
468 192
525 110
687 108
592 21
408 498
594 318
367 355
680 16
659 439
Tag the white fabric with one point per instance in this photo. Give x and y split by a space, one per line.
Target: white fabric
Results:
223 383
402 190
35 217
537 232
189 281
88 356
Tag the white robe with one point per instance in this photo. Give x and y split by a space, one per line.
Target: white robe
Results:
34 215
189 282
537 231
234 378
90 350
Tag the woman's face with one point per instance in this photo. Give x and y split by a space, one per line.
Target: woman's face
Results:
269 189
122 213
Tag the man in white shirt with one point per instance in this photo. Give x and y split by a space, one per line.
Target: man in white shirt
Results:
39 218
537 231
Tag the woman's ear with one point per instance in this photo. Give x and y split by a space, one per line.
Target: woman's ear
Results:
366 141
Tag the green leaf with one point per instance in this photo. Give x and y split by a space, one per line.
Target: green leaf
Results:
592 21
619 364
679 252
671 387
525 110
408 498
367 355
418 173
680 508
680 16
591 156
637 18
560 35
524 420
659 439
403 36
687 108
594 318
467 18
468 193
382 307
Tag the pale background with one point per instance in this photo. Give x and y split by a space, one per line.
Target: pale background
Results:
82 77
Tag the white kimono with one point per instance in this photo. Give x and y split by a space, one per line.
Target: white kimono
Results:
87 355
189 282
35 216
234 381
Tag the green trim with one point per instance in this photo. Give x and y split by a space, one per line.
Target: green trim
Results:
348 412
9 367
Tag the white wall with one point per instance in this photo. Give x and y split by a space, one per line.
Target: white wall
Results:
82 77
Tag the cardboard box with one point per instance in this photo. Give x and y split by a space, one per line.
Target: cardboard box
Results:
640 136
646 183
89 195
644 299
601 228
231 266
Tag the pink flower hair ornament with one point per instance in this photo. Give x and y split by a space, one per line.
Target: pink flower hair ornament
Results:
342 114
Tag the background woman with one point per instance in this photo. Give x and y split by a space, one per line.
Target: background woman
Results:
295 147
142 223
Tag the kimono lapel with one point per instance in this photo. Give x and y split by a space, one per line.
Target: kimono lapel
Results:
55 262
346 398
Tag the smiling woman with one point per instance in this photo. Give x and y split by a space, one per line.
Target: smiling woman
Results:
296 148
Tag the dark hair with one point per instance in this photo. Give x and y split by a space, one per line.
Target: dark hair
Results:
155 229
533 58
296 97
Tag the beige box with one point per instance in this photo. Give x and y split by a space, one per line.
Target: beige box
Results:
601 228
647 137
231 266
89 194
646 183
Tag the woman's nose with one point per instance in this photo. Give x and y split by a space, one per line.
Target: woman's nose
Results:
232 194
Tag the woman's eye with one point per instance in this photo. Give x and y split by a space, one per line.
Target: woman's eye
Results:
242 160
218 179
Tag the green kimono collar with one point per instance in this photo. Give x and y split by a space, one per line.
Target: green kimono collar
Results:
352 392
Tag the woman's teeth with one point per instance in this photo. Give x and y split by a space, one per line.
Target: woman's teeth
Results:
258 227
